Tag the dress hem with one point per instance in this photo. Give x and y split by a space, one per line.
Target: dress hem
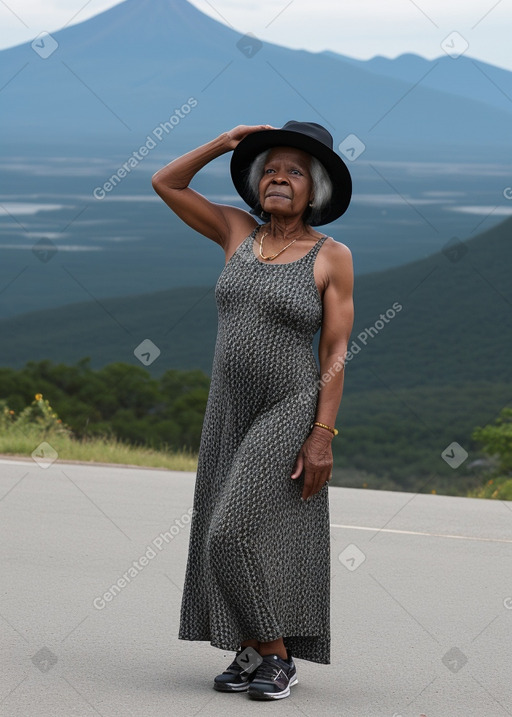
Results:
234 648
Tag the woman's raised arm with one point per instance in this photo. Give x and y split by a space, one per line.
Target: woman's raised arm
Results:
215 221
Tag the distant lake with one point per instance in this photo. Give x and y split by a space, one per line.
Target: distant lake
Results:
60 244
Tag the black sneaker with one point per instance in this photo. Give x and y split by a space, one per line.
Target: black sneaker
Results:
273 678
236 678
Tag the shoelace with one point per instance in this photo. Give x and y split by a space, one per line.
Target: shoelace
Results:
236 665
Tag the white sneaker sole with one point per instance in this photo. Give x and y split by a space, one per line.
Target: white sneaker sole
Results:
231 687
256 694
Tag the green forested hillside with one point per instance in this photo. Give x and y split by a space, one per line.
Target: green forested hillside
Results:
420 375
455 324
456 321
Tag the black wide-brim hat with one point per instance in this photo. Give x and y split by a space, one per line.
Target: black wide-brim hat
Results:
308 136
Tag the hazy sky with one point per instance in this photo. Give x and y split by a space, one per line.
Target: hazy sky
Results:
359 28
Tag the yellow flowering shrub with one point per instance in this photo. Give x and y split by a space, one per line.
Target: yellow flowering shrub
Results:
38 414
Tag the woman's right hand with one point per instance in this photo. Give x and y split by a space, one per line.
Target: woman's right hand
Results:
237 134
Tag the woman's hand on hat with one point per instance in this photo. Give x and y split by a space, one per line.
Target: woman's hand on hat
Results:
237 134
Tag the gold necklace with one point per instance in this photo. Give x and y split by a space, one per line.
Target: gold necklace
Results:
274 255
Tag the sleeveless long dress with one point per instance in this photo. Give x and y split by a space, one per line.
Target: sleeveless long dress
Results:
259 557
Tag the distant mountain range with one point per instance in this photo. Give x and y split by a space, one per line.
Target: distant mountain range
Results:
463 77
111 80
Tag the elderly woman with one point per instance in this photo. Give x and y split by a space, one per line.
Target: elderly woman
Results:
258 573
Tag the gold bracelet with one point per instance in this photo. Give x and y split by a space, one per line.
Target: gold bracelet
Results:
334 431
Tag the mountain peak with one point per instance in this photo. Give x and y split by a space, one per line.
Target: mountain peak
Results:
129 68
152 23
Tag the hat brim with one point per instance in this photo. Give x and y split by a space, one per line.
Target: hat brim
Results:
256 142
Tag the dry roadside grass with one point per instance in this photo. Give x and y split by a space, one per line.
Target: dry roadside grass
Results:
95 450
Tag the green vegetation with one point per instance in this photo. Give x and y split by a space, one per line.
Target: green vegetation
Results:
497 443
98 450
389 440
419 379
118 413
118 400
392 439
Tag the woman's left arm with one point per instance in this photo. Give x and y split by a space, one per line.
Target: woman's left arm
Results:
337 322
315 456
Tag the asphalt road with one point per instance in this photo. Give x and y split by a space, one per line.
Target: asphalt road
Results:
421 609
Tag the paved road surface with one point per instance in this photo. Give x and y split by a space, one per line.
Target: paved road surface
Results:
421 602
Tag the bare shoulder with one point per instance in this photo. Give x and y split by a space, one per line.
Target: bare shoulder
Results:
337 250
241 225
335 263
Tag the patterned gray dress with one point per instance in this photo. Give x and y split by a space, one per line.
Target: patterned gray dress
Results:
259 557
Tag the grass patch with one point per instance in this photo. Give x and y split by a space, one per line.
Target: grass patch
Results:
96 450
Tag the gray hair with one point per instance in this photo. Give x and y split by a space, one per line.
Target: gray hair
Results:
322 185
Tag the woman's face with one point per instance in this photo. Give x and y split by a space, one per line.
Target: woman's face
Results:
286 186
